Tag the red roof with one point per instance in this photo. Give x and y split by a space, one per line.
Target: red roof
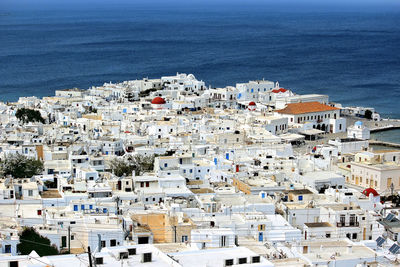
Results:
280 90
305 107
158 101
369 191
252 103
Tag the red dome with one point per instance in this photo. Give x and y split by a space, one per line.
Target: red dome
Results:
252 103
369 191
158 101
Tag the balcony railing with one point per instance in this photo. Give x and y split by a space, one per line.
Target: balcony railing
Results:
350 224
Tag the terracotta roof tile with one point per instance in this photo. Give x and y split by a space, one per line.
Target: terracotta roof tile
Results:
305 107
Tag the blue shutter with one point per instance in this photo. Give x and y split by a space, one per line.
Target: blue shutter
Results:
260 236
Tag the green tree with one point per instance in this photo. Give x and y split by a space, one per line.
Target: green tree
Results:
136 163
120 167
20 166
29 115
368 114
143 163
30 240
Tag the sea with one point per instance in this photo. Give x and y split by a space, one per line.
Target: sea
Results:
353 56
391 136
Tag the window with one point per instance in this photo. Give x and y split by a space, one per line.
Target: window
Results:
354 235
99 260
103 243
389 182
113 243
223 241
39 212
13 264
328 235
146 257
7 249
72 237
255 259
261 227
123 255
300 198
141 184
342 219
184 238
242 260
132 251
229 262
147 184
30 193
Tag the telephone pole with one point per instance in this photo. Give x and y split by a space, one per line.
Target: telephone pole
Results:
90 257
175 233
69 239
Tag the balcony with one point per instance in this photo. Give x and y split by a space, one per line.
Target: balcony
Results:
354 224
350 224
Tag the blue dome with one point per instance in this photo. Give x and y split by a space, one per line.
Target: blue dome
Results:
358 123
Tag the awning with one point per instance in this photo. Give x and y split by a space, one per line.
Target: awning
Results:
311 132
292 137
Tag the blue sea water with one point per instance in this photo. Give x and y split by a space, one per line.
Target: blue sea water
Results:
392 136
352 56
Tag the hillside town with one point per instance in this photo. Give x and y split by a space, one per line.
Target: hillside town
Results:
172 172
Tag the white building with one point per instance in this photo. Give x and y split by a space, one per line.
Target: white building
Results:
320 116
359 131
